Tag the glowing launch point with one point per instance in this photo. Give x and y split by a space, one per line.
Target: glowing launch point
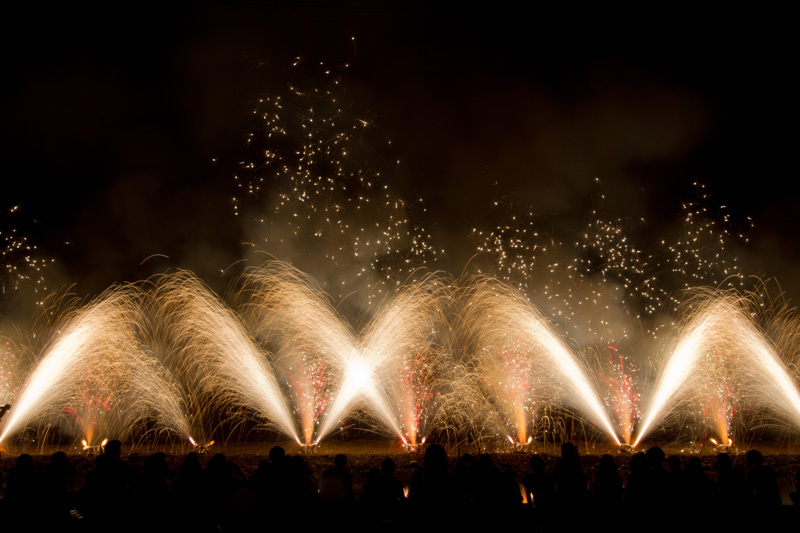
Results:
308 449
722 447
517 446
93 449
201 448
410 446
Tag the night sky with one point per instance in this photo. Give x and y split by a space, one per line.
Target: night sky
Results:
110 123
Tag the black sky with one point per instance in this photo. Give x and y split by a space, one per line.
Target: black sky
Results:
111 120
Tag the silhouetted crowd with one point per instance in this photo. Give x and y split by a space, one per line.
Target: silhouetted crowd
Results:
659 494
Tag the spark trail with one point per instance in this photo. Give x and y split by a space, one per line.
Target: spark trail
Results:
98 342
231 367
502 321
721 325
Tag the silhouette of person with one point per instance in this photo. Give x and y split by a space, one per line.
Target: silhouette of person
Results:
153 494
697 492
22 495
570 495
337 487
607 495
539 486
58 483
107 494
762 487
384 494
190 509
795 494
635 496
433 495
219 481
570 489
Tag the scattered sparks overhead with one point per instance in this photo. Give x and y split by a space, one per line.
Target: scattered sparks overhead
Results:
311 187
582 279
10 371
21 263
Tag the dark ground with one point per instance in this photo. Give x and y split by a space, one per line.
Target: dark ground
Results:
365 454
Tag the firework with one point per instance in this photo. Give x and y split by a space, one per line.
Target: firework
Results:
477 365
507 326
214 347
720 357
621 392
406 336
294 320
87 370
